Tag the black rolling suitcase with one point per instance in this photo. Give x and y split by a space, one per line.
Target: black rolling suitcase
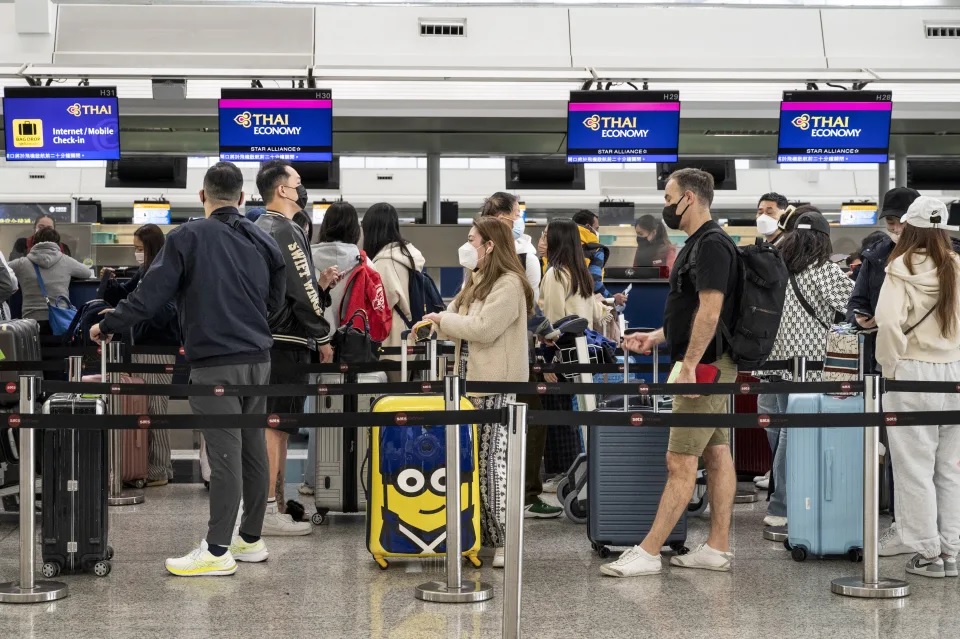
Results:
75 484
626 474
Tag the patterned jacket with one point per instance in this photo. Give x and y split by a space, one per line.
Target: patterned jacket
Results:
826 289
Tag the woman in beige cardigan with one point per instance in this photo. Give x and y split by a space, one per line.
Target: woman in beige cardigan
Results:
488 320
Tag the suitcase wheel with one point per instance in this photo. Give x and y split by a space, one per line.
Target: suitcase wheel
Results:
206 484
476 561
101 568
603 552
575 509
855 555
381 562
563 488
787 546
318 518
679 548
109 552
50 570
140 483
799 553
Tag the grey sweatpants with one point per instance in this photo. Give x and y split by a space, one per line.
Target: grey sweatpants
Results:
238 456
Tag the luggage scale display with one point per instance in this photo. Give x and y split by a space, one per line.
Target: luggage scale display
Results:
406 511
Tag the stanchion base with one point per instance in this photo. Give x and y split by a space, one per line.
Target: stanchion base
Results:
468 592
856 587
745 497
775 533
125 499
41 592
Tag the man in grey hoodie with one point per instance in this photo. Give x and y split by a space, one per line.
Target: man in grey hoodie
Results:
56 269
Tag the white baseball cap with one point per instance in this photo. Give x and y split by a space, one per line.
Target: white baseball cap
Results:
928 213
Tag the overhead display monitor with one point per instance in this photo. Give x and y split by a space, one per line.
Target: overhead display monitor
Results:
268 124
46 124
623 126
858 214
835 126
151 213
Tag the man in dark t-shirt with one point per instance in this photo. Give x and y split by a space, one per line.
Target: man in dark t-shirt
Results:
703 293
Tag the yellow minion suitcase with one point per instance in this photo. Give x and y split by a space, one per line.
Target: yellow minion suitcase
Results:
406 510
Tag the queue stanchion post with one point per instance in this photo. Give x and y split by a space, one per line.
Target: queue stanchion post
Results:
513 551
28 589
871 585
111 354
780 533
742 496
454 589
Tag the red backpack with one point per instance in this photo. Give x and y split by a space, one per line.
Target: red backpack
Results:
364 290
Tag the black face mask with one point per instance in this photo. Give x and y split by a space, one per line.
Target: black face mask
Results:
670 216
302 196
642 241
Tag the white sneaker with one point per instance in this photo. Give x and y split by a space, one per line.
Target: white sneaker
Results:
498 557
634 562
550 486
200 563
305 489
704 558
242 551
763 484
950 566
773 520
278 525
891 543
760 478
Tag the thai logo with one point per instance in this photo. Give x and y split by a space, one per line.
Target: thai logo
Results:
613 126
267 123
592 123
826 126
76 109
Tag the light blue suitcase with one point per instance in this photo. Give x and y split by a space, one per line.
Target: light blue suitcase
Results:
825 482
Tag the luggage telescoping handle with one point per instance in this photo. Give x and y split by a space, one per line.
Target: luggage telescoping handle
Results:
799 368
589 402
432 353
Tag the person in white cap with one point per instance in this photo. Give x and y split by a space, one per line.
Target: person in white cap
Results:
918 320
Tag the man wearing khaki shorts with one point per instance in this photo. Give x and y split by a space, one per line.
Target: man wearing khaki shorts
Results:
702 293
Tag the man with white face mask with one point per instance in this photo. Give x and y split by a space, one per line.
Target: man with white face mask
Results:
770 209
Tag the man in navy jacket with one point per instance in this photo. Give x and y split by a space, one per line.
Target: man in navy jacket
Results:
226 276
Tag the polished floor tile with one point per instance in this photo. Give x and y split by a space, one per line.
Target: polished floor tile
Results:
327 585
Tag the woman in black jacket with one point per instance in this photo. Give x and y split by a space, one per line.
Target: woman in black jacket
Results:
162 330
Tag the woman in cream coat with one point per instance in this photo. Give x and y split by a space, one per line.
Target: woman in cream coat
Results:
488 321
393 258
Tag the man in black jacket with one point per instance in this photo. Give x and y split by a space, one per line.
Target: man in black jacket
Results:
226 276
298 325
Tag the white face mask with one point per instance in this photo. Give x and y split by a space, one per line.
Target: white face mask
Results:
518 228
139 256
468 256
894 236
766 225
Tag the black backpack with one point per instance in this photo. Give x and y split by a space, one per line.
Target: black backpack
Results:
424 298
760 296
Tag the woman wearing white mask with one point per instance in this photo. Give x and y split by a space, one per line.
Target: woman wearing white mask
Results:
162 330
488 322
506 208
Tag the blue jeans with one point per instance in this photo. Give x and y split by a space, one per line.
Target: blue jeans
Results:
775 405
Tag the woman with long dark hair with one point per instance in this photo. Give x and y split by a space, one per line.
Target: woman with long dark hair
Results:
488 321
162 330
817 292
393 258
653 245
567 286
918 338
338 245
